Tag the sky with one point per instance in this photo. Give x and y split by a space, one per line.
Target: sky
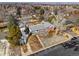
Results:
39 0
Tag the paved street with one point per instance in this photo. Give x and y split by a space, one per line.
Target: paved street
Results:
58 51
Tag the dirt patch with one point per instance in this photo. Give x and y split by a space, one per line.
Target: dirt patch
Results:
34 43
24 47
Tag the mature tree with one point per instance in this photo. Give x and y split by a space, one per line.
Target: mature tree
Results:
14 33
19 11
36 7
52 18
39 12
42 11
41 17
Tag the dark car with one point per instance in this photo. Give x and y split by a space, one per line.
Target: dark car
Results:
72 43
68 45
75 40
76 47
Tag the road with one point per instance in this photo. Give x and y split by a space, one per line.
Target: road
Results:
58 51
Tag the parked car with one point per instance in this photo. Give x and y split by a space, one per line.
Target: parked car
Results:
76 47
70 44
73 43
75 40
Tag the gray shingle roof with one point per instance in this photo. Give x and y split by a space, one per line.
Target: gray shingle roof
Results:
41 26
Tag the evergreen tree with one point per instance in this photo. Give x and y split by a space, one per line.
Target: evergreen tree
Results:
19 11
39 12
42 11
14 33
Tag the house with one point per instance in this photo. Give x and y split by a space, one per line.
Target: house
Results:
40 27
35 29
